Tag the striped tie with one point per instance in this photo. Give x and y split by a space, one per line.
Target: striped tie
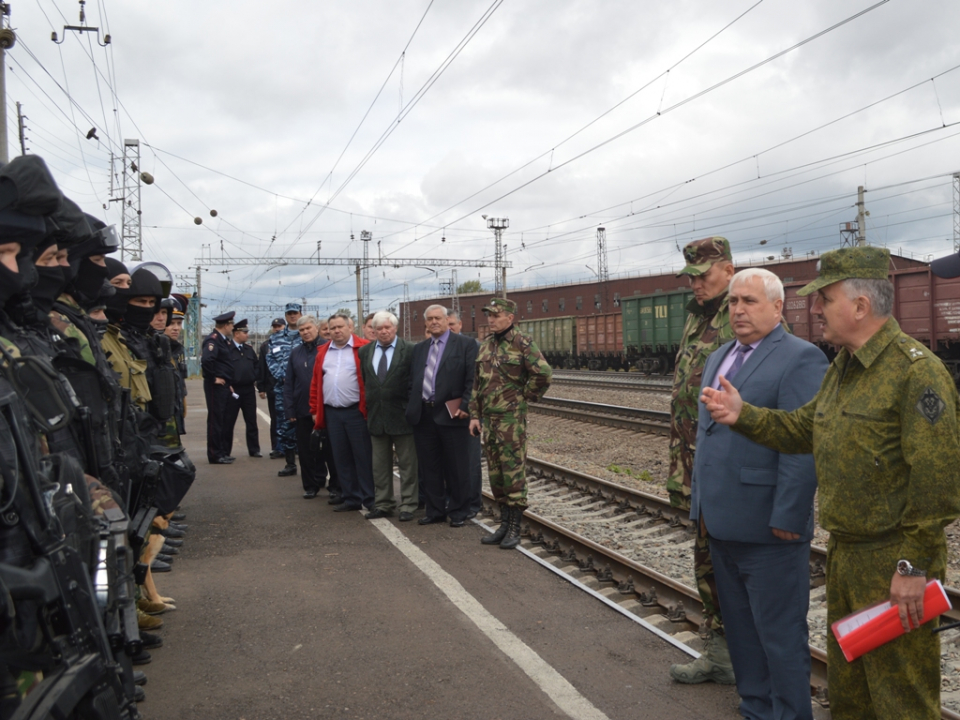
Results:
430 370
737 361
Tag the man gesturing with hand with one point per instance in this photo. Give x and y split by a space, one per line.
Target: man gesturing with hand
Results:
883 433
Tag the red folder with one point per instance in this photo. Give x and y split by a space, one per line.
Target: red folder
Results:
453 406
876 625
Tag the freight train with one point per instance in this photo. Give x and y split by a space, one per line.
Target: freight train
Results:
644 333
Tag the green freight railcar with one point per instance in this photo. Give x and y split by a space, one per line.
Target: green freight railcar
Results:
556 338
652 329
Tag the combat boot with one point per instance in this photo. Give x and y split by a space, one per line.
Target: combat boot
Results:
291 467
713 665
275 454
512 538
496 537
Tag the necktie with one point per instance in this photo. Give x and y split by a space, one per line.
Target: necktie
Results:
738 361
430 370
382 366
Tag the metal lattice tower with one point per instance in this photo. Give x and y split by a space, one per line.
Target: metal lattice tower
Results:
455 292
498 225
956 212
603 271
131 237
365 238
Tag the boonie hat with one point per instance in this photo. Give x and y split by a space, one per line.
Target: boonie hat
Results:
702 254
854 262
499 304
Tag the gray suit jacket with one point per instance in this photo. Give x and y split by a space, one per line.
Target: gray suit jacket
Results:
743 489
387 401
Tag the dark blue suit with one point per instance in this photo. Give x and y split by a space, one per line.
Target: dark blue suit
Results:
742 491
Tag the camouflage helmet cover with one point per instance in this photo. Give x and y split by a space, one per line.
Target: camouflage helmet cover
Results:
853 262
702 254
499 304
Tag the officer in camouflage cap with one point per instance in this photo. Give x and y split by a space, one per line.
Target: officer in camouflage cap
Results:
709 268
510 372
883 433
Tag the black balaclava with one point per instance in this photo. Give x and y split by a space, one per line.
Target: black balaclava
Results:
114 304
142 283
50 283
28 230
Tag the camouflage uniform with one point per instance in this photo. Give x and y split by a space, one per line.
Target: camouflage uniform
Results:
883 432
706 329
278 350
510 373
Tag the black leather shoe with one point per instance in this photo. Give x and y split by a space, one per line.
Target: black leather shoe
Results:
431 521
159 566
180 526
310 495
139 694
178 516
173 542
150 641
456 523
168 559
139 677
172 532
378 513
405 516
142 657
335 500
471 515
287 471
231 458
346 507
276 454
169 549
256 454
223 461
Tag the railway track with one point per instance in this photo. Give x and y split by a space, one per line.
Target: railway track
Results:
611 381
623 542
645 421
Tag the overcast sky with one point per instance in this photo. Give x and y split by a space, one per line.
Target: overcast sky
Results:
248 109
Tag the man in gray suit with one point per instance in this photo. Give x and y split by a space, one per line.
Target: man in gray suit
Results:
385 365
756 505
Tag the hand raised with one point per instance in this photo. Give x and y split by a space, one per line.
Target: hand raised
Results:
724 405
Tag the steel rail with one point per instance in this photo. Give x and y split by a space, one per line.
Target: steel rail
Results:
644 421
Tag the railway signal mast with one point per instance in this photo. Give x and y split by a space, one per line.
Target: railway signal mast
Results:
603 270
498 225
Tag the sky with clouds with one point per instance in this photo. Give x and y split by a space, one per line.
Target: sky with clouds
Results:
303 123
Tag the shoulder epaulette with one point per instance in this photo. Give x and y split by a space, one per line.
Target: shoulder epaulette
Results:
912 349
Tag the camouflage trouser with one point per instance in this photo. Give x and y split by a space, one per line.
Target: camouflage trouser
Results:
286 433
706 582
898 680
505 443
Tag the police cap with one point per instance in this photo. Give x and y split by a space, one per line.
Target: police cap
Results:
225 318
241 325
854 262
700 255
499 304
278 322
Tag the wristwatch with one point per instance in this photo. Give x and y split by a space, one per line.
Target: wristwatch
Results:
905 568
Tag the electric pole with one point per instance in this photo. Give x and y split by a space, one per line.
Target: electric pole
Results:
861 218
365 238
131 237
20 119
956 212
498 225
405 313
7 40
603 272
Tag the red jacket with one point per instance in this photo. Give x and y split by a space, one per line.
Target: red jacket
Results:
316 385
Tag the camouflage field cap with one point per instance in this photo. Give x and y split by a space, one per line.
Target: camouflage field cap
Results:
854 262
702 254
499 304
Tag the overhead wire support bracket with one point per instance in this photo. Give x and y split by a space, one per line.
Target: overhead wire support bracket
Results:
81 29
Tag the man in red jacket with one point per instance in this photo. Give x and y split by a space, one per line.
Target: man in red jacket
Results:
338 403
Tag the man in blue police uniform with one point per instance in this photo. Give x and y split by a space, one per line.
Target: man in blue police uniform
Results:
278 350
244 397
217 378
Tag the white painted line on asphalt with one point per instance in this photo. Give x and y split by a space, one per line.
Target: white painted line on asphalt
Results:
263 416
553 684
603 598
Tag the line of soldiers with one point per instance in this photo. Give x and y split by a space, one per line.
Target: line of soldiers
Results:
91 466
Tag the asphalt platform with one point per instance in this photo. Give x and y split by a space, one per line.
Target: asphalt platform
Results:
288 610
